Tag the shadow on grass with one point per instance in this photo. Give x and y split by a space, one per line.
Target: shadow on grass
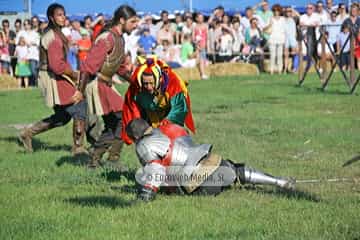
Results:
125 189
101 201
336 92
290 194
78 160
317 90
352 160
37 144
113 176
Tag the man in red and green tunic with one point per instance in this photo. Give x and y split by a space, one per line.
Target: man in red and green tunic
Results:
158 95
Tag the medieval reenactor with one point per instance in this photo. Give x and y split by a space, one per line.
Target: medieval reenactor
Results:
59 83
158 95
106 58
170 158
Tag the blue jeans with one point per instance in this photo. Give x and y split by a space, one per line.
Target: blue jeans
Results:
72 58
5 65
174 64
34 67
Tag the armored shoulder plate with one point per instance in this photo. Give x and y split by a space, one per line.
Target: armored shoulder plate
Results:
152 147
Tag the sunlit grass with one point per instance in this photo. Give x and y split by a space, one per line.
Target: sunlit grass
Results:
264 121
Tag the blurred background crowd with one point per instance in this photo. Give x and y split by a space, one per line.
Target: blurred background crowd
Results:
193 39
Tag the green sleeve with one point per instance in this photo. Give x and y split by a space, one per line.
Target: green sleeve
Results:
178 109
247 35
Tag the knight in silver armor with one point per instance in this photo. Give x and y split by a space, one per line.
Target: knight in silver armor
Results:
169 151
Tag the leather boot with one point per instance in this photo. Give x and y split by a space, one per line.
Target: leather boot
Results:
96 157
114 162
101 146
78 137
27 133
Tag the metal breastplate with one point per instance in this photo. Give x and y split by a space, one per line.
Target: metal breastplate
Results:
153 147
114 59
181 150
185 152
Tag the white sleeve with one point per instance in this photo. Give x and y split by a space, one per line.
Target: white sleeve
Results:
302 20
18 35
35 40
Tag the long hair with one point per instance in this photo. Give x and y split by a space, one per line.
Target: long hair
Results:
125 12
50 14
53 25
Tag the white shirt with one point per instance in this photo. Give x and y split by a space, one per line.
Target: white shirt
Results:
226 45
32 39
131 44
333 28
66 31
290 28
75 35
21 33
307 20
153 30
187 30
324 17
21 52
311 20
246 22
34 48
239 39
341 19
277 35
341 38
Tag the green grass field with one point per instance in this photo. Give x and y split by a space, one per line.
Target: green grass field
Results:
264 121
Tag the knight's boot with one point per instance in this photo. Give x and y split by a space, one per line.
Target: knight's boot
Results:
114 162
96 157
253 176
78 137
27 133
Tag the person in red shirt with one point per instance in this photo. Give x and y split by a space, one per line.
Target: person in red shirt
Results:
99 25
58 82
84 44
106 58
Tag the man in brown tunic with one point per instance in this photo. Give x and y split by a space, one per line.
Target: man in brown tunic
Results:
105 59
59 84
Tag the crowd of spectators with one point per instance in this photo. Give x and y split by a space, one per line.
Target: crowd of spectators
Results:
196 40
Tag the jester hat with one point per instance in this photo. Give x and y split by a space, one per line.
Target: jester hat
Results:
156 68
